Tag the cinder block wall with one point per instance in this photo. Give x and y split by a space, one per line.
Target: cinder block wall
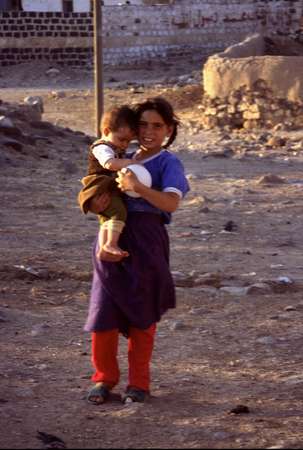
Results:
135 34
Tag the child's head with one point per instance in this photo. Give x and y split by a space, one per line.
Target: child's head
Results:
118 126
156 119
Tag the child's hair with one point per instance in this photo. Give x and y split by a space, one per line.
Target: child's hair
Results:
165 110
117 117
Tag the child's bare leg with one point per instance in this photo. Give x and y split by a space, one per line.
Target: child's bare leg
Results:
111 245
102 238
114 230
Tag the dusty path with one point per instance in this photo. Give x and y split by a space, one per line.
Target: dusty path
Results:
227 343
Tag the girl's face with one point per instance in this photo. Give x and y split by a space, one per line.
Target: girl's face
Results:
153 131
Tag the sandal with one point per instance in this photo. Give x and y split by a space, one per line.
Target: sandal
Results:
135 395
98 394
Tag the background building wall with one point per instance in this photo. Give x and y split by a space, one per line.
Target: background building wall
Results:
135 34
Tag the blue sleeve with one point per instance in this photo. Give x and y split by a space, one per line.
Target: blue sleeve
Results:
173 175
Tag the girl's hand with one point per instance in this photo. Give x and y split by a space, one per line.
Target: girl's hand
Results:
127 180
104 256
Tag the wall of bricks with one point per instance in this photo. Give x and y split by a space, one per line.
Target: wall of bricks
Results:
136 34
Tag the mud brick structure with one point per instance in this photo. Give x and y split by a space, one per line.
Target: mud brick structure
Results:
256 83
139 32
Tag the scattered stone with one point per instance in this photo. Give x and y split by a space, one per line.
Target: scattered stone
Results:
58 94
234 290
8 142
177 325
258 288
182 280
290 308
276 141
230 226
239 409
271 179
191 176
50 441
266 340
39 329
36 102
6 122
293 380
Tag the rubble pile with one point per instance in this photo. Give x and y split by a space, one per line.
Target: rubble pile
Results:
24 132
250 108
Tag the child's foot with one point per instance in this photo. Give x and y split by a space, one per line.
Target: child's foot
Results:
115 250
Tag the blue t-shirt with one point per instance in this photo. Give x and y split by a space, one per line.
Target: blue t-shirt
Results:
167 174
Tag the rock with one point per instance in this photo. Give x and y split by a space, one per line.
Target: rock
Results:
293 380
35 101
8 142
258 288
182 280
6 122
58 94
11 131
276 141
271 179
39 329
230 226
290 308
177 325
266 340
234 290
191 176
239 409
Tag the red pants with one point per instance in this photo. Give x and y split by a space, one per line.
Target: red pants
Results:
140 348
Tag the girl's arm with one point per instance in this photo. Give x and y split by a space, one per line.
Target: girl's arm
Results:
166 201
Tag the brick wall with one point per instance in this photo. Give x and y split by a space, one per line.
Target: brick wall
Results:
135 34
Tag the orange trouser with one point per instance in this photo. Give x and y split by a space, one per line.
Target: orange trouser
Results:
140 348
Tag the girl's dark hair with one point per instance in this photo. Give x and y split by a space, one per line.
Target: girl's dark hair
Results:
165 110
117 117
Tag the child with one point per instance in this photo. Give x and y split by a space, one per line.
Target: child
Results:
118 129
131 295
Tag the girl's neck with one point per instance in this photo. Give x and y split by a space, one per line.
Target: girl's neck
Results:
144 153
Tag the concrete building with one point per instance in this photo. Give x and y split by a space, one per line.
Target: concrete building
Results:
136 32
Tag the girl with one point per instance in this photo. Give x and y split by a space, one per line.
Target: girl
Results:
129 295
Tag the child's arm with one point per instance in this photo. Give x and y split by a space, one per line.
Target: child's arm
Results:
115 164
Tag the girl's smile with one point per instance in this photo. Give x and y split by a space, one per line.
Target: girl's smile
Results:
153 131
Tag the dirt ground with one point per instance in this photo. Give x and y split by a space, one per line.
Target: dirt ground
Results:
227 365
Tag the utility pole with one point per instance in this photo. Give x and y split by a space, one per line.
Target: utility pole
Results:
98 66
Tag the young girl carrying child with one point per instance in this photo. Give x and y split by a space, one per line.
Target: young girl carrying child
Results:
129 295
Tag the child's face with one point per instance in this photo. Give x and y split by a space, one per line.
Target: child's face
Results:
153 131
121 138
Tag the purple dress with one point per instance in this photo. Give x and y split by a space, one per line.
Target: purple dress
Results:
138 290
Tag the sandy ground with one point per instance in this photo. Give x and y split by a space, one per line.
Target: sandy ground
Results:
227 366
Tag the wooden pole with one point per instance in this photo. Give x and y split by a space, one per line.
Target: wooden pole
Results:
98 65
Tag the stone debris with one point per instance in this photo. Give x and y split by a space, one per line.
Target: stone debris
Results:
240 409
271 179
36 102
252 108
21 129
